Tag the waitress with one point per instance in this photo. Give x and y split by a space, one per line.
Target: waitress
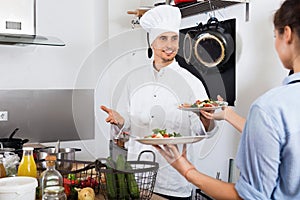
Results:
151 97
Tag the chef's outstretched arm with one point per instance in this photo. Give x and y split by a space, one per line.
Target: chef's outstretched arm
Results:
113 117
217 189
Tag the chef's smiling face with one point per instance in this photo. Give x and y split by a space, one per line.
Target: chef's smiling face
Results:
165 47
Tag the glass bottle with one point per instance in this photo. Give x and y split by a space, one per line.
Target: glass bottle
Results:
2 169
54 193
50 177
27 166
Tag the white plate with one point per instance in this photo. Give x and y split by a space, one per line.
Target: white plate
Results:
174 140
196 109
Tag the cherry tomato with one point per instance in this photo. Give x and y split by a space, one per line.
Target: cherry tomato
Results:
83 184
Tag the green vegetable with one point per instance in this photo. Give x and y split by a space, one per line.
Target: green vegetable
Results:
161 131
132 184
71 176
122 186
110 181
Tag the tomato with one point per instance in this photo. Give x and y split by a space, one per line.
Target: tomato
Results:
94 182
83 184
166 136
153 135
207 105
67 181
198 102
67 189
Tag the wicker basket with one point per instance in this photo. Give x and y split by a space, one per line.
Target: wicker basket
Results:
117 184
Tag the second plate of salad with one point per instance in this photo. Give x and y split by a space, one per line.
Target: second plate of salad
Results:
203 105
161 136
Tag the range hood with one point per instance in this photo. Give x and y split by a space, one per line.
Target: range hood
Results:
18 24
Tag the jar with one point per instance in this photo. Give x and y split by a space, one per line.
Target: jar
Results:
50 177
10 162
2 169
27 166
54 193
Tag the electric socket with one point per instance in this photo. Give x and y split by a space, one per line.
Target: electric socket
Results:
3 115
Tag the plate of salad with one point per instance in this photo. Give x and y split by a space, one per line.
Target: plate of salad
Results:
202 105
161 137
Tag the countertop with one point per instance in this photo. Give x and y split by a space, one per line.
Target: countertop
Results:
154 197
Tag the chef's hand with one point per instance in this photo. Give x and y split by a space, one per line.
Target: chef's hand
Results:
175 158
113 117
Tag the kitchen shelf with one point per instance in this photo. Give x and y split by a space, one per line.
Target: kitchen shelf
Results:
189 9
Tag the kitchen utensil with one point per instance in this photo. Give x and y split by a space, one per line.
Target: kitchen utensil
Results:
11 142
120 132
63 154
13 133
139 12
208 46
3 150
57 146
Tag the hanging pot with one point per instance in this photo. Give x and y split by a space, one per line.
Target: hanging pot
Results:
209 46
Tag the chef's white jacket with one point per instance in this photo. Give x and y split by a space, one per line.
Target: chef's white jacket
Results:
150 100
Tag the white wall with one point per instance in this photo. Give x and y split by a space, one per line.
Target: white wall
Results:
84 26
257 68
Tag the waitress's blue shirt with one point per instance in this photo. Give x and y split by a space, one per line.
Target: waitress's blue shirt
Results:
269 152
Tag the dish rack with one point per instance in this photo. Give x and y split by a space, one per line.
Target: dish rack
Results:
83 174
135 181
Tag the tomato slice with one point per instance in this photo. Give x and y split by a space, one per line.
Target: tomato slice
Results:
198 102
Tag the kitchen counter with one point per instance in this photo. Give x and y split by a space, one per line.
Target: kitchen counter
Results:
154 197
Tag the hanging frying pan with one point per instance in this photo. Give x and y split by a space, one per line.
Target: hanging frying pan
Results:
210 46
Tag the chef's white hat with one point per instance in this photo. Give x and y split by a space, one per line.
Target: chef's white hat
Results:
160 19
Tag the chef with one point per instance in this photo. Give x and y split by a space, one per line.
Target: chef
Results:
151 97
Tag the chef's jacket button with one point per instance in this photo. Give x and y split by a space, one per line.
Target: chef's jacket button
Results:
155 95
152 116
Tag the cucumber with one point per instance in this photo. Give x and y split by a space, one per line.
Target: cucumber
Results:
123 190
132 184
111 181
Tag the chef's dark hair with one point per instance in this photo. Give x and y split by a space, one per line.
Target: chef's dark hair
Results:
288 15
